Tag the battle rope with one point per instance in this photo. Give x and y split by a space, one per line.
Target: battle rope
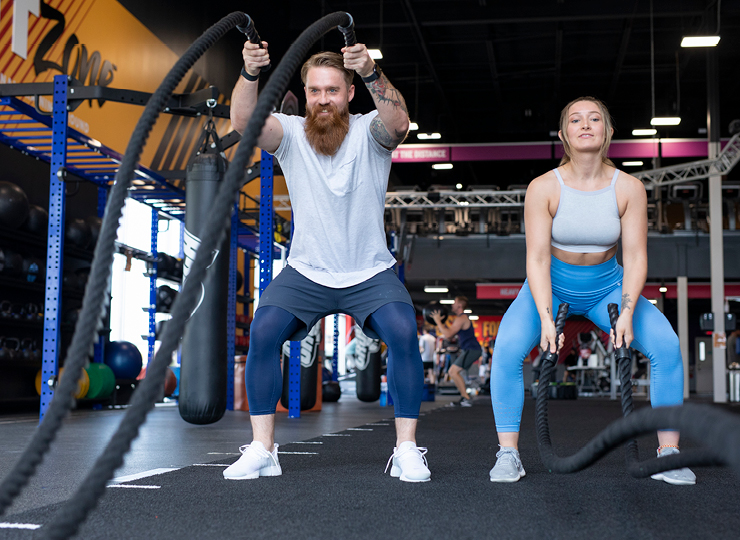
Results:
717 429
74 512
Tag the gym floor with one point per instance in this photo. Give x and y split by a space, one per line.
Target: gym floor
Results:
333 484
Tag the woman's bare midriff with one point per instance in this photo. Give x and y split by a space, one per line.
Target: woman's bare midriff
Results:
583 259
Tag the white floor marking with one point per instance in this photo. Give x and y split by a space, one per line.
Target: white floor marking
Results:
223 453
210 464
301 453
30 526
305 442
358 429
131 486
335 435
377 424
144 474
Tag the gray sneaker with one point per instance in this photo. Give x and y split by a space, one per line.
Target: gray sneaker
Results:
508 466
677 477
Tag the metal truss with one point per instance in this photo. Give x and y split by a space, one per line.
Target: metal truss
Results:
695 170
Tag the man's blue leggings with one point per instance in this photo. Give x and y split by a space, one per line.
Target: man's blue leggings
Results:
395 323
588 290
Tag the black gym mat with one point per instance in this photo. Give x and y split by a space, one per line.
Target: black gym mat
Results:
341 492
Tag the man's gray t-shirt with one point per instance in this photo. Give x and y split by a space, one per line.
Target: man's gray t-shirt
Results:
338 203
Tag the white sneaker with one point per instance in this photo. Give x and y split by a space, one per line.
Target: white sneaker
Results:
508 466
255 461
677 477
409 463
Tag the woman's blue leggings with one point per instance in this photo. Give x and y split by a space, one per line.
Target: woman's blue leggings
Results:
395 323
588 290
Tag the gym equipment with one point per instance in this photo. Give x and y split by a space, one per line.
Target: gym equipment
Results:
330 391
67 520
309 369
77 233
203 364
83 384
165 298
13 205
239 280
170 383
37 221
434 306
102 381
367 366
33 269
33 312
9 348
717 429
123 358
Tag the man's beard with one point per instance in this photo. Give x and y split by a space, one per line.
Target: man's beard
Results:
326 133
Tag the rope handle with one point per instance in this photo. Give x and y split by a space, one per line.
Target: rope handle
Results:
250 31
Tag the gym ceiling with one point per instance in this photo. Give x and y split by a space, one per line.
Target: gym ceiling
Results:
480 71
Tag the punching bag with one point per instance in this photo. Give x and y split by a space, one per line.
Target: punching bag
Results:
309 369
367 367
204 363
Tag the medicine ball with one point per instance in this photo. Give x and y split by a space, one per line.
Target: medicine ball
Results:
330 391
77 233
124 359
434 306
37 221
239 280
13 205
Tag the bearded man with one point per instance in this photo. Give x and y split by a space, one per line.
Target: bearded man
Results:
336 167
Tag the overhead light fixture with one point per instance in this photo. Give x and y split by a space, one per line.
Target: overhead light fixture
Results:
442 166
699 41
632 164
436 289
473 317
663 288
413 126
652 301
427 136
665 121
644 132
375 54
447 301
466 311
457 186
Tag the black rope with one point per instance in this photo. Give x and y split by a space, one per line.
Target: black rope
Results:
67 521
96 296
717 429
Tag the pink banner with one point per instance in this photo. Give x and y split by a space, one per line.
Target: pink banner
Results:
421 153
497 291
503 152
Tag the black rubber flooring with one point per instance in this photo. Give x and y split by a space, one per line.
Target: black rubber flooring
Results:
337 489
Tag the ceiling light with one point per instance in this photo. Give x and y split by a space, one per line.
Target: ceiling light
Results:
699 41
632 164
467 311
427 136
643 132
435 289
447 301
375 54
473 317
458 186
442 166
652 301
663 289
665 121
413 126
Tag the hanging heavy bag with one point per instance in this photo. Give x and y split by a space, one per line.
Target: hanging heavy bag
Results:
309 369
204 356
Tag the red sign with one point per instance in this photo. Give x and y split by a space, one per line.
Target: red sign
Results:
497 291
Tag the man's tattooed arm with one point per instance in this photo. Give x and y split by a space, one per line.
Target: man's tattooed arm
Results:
391 106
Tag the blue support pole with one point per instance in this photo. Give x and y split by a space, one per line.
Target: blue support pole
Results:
231 310
99 347
55 248
151 338
335 355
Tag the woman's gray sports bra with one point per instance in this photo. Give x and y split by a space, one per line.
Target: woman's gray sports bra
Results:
586 221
